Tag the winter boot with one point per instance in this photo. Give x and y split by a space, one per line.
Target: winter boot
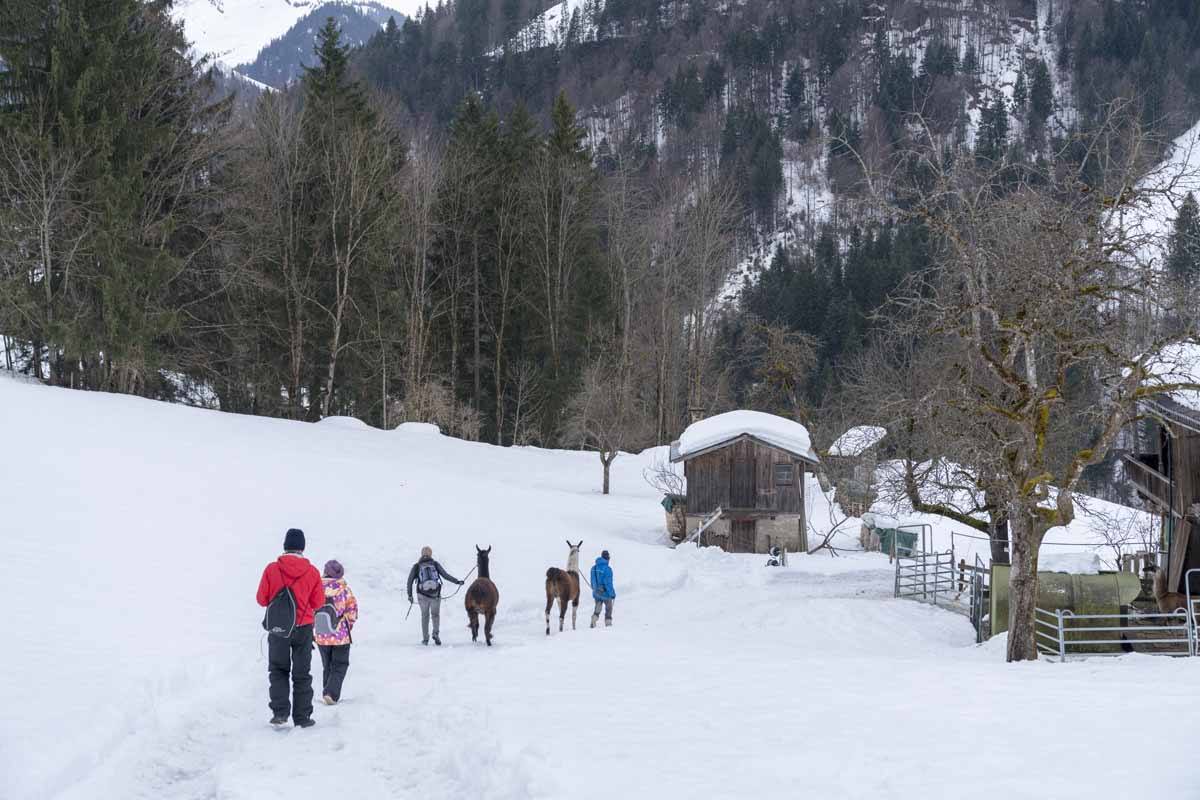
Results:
329 701
437 641
425 642
305 723
607 622
278 721
595 619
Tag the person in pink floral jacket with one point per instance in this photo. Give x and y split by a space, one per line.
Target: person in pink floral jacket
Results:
335 647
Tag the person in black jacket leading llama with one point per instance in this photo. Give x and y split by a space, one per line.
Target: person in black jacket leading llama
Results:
428 574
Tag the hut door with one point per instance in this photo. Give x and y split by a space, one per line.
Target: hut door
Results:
742 536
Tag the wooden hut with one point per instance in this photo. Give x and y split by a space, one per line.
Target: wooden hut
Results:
850 463
1165 463
752 466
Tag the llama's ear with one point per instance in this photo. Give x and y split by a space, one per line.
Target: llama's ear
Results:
477 550
489 549
569 543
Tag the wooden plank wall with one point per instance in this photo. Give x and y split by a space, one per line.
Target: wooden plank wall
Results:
1185 553
741 475
1187 470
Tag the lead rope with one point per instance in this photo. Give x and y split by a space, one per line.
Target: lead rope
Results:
464 583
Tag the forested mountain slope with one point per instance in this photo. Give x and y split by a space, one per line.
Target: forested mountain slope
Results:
764 84
789 100
500 217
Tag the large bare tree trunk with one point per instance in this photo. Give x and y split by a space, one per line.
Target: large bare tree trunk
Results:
606 460
1023 587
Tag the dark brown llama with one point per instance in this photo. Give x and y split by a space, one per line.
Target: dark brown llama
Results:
564 585
482 598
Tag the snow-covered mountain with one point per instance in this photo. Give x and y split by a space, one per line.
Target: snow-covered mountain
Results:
283 60
234 31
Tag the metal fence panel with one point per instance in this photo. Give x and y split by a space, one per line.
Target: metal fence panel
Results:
1062 634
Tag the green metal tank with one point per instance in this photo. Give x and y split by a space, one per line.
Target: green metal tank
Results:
1104 593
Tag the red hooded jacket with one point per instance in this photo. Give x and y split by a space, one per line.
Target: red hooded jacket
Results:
294 571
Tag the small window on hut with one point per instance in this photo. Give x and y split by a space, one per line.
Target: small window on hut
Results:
784 475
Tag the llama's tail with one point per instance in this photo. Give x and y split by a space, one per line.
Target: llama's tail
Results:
553 573
1160 584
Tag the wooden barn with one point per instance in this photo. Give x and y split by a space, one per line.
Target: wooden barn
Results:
850 463
751 466
1165 464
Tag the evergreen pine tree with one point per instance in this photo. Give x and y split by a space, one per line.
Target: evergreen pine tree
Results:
1041 92
566 137
970 62
1183 255
992 137
1020 91
103 96
328 86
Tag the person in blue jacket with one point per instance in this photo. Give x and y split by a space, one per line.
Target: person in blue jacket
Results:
602 589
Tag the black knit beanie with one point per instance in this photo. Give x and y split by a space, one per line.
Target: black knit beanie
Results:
294 540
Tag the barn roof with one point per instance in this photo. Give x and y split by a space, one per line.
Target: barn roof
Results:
709 434
857 440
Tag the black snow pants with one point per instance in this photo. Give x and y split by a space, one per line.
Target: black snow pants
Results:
292 657
335 661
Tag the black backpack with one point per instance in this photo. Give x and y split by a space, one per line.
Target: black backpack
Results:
280 617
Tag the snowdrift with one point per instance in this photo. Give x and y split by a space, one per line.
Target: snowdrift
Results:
134 534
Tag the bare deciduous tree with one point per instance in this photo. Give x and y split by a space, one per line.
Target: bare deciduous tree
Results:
527 402
706 254
560 203
605 413
271 227
1036 270
420 223
42 231
357 175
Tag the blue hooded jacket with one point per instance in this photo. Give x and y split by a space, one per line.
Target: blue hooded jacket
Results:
602 580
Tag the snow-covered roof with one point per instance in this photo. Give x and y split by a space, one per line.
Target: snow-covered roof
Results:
1179 363
714 431
857 440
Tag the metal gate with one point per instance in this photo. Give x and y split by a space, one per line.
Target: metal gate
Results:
1062 634
925 576
979 579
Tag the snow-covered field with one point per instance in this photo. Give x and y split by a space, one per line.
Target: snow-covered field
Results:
134 534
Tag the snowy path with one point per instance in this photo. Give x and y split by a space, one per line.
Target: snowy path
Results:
796 683
139 530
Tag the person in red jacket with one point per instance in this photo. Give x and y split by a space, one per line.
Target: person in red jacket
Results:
292 656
